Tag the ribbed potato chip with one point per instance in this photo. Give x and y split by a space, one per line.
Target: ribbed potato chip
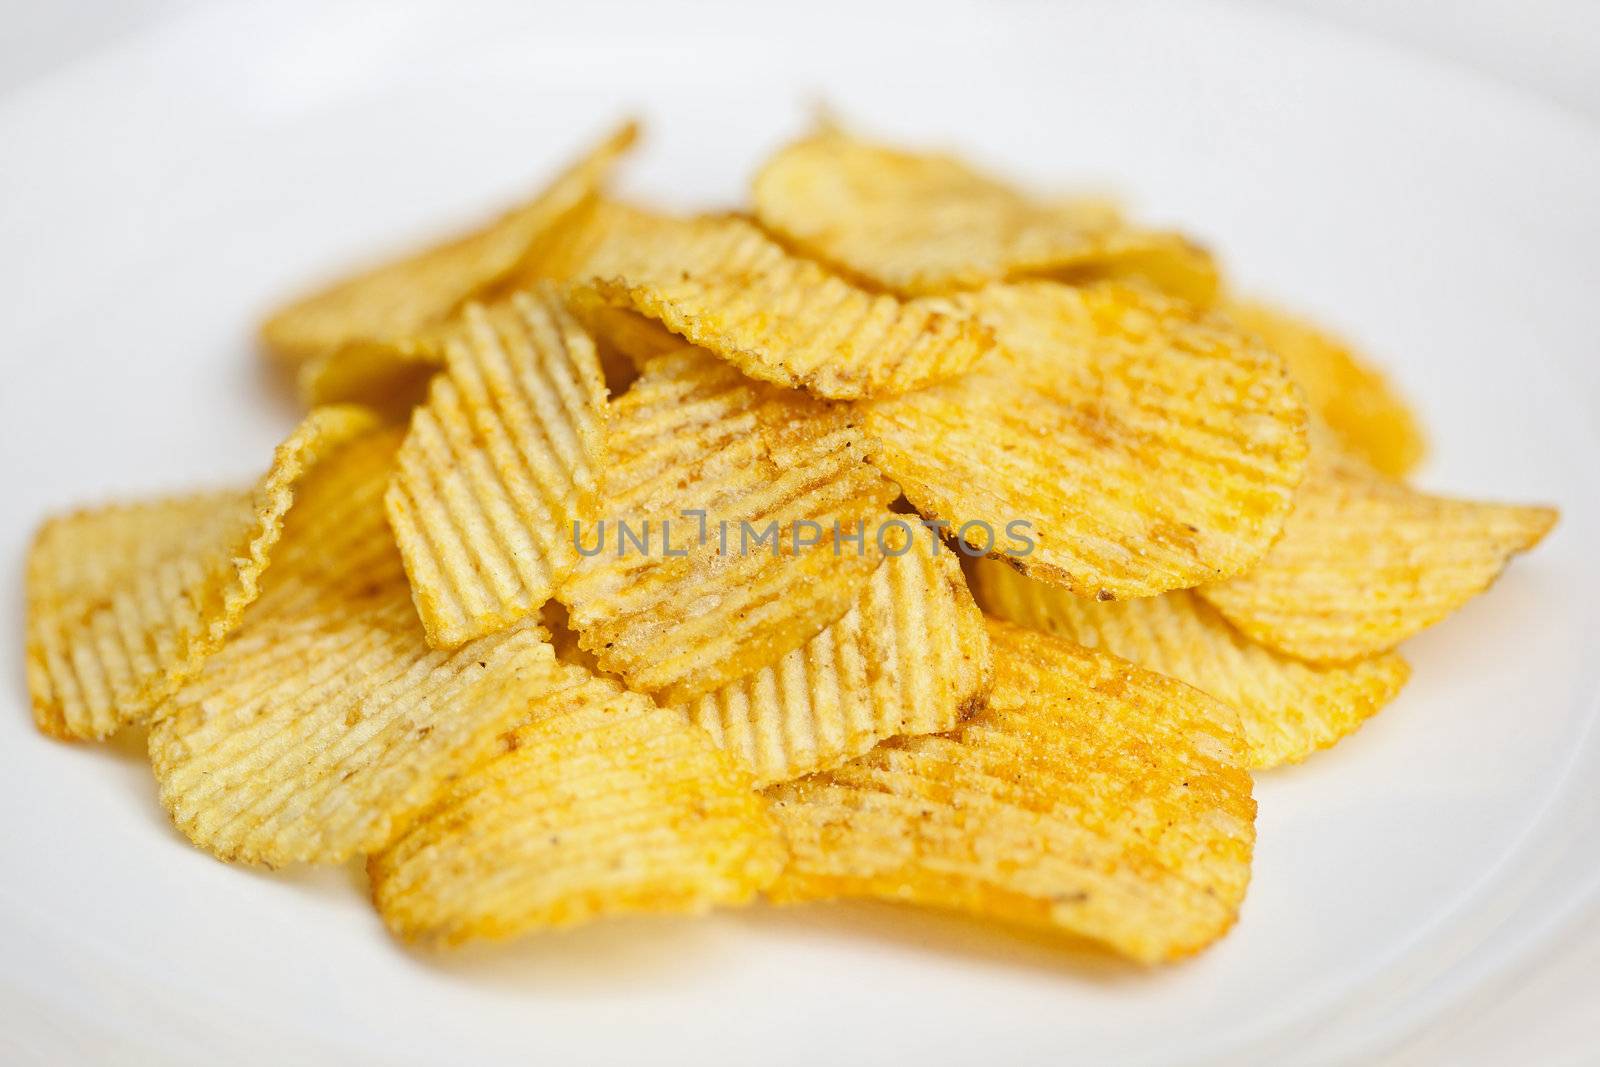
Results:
1354 400
603 804
498 465
715 551
1288 709
910 657
926 223
724 285
1091 796
1365 562
325 720
406 297
1149 446
125 602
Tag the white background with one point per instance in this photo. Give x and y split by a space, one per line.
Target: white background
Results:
1547 48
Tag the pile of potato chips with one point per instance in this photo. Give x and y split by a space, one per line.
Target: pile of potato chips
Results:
1054 543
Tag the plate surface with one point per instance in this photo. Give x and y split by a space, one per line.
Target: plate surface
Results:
154 201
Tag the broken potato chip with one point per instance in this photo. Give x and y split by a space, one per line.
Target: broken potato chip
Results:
1366 561
498 466
736 520
926 223
910 657
724 285
1090 797
325 721
1121 444
1287 708
124 603
602 804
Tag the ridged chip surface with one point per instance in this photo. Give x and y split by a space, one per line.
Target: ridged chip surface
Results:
726 286
695 434
1287 708
1353 398
1091 797
406 297
922 223
125 602
325 721
498 464
1366 562
603 804
1150 446
911 656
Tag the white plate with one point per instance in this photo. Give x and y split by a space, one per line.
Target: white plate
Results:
154 201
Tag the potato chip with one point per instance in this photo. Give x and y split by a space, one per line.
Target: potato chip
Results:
1090 797
1365 562
1288 709
1146 446
1354 400
404 298
1170 262
125 602
720 543
391 376
724 285
910 657
603 804
599 238
497 466
325 721
925 223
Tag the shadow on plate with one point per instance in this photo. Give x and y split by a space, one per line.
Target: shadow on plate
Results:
647 950
946 934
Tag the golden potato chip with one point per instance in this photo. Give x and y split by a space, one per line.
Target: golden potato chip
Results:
603 804
125 602
393 374
388 375
599 238
1146 446
325 721
404 298
925 223
1090 796
1365 562
1368 418
910 657
724 285
721 538
1288 709
498 465
1170 262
